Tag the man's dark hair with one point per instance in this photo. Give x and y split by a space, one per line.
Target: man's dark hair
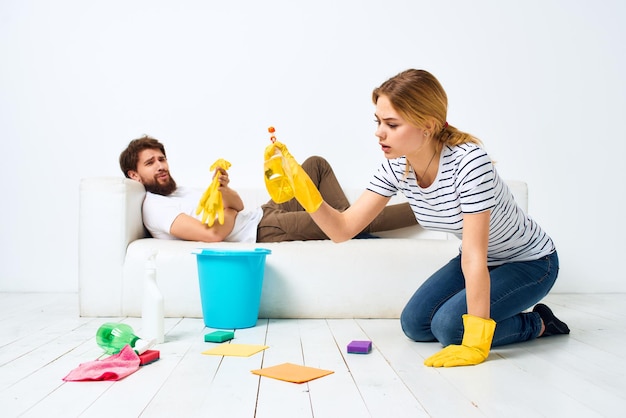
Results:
129 158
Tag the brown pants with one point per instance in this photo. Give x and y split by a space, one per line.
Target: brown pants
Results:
290 222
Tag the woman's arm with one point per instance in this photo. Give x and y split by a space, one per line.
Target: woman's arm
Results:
474 263
342 226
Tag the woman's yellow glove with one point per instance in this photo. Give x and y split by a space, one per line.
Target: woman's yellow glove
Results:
277 175
211 202
286 179
474 348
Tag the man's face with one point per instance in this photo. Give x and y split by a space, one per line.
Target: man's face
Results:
153 172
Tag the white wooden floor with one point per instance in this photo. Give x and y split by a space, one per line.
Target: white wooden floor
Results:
42 338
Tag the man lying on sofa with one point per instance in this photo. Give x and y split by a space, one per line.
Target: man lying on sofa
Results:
169 211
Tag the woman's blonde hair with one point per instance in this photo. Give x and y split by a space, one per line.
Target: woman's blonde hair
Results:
419 98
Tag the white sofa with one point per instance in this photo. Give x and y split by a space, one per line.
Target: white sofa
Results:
360 278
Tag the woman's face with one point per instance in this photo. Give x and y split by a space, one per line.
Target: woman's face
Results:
396 136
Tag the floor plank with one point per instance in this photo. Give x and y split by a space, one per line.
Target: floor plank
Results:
233 389
335 395
292 400
436 394
383 391
42 338
187 383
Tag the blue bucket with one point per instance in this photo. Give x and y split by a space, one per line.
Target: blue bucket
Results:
230 286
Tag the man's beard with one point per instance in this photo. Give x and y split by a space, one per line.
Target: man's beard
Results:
162 189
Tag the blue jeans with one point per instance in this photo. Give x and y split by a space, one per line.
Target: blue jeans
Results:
434 312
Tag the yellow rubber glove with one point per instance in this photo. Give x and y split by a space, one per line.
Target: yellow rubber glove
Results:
286 179
474 348
211 202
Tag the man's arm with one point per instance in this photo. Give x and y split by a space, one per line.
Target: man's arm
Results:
231 199
188 228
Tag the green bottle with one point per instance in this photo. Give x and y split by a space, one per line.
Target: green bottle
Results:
113 336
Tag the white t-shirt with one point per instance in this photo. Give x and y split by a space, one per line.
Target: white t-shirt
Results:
160 211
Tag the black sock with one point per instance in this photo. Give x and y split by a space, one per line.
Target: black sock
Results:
554 325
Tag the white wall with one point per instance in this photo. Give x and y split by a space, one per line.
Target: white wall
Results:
541 82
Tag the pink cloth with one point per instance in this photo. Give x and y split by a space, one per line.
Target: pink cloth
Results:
115 367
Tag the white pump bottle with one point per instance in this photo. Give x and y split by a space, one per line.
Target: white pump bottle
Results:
152 311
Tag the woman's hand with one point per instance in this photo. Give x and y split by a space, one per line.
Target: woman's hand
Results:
290 180
473 350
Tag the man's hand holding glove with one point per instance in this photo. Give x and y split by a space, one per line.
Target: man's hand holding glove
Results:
211 202
474 348
286 179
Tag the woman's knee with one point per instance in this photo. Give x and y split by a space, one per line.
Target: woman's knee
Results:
447 328
443 328
415 326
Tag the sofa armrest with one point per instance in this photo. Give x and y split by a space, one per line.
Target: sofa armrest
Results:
109 220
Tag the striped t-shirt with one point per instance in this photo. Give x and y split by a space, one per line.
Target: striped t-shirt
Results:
467 182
